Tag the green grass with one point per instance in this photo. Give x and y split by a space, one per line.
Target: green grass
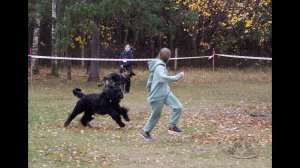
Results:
216 114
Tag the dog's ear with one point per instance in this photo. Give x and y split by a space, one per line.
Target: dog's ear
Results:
109 87
106 88
132 74
100 84
77 89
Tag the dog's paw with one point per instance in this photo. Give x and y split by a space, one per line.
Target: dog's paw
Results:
122 125
89 125
127 119
66 124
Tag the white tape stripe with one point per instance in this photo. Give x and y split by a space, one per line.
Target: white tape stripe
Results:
145 59
108 59
236 56
87 59
189 57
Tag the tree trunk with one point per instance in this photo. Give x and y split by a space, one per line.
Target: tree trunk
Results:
136 37
45 36
34 62
152 47
95 50
54 70
82 56
194 45
171 43
30 34
126 34
60 49
69 65
87 52
69 69
126 31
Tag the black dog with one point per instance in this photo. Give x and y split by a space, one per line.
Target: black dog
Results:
106 102
118 79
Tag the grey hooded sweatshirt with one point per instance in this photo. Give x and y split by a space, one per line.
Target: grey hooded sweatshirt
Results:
158 80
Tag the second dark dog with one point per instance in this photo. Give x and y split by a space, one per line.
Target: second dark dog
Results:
116 78
103 103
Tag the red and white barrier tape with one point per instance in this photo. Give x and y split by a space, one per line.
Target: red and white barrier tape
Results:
108 59
189 57
87 59
147 59
246 57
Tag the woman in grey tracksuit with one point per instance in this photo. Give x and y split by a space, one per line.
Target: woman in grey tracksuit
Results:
160 93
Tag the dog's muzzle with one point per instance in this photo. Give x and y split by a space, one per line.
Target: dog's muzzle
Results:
120 96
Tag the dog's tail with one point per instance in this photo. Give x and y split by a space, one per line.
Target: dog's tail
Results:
77 92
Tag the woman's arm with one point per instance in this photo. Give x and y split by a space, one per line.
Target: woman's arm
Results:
163 77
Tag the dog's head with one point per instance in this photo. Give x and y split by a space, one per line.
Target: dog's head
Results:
127 74
110 79
113 93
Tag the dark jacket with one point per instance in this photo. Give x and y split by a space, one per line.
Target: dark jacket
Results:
126 55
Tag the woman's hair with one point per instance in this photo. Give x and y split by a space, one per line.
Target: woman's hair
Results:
164 54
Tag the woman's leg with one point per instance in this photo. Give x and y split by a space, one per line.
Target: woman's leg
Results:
155 115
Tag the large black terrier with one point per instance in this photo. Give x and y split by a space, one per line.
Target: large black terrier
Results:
103 103
118 79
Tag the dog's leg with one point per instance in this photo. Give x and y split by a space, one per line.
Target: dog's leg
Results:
86 118
127 85
124 113
123 88
77 110
115 116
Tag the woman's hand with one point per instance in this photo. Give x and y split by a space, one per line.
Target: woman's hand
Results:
181 74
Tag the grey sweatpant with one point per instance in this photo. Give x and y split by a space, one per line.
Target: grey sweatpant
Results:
157 106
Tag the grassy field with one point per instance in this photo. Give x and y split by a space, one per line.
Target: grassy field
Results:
218 130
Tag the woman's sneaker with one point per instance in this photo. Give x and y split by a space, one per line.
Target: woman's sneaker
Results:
174 130
146 136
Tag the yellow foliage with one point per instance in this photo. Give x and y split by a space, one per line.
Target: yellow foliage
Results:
233 20
248 23
78 38
206 13
72 45
192 6
81 42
